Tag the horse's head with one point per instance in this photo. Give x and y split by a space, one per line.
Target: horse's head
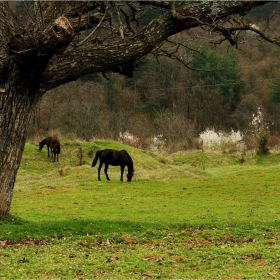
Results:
129 176
41 145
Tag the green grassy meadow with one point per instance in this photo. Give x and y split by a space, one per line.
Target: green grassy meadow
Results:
187 215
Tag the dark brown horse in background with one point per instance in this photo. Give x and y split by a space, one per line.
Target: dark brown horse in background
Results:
115 158
53 145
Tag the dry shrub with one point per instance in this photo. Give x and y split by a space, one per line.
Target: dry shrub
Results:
90 153
196 144
251 142
132 140
139 143
62 170
177 146
55 134
273 142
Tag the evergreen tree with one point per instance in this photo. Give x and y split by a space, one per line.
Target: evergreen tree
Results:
221 76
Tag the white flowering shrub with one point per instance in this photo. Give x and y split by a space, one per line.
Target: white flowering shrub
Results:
212 140
132 140
258 124
259 128
128 138
157 143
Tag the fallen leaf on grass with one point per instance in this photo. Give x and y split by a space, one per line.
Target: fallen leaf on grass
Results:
180 259
113 259
273 273
152 258
151 275
24 260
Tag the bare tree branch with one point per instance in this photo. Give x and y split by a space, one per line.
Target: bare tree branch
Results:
93 31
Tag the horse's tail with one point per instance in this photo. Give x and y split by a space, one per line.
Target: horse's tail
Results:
55 145
98 153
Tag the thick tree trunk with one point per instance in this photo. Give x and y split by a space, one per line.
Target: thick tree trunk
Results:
16 106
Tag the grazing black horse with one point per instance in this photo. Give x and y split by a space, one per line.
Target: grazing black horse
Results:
113 157
53 145
47 141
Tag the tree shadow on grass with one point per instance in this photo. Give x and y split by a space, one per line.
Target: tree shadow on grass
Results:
17 229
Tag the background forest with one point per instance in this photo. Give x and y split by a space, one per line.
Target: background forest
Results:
207 85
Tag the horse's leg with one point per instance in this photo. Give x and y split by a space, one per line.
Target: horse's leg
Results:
99 169
105 170
122 170
48 151
54 157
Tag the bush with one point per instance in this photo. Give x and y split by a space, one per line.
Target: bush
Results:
263 146
273 142
132 140
158 142
259 128
212 140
